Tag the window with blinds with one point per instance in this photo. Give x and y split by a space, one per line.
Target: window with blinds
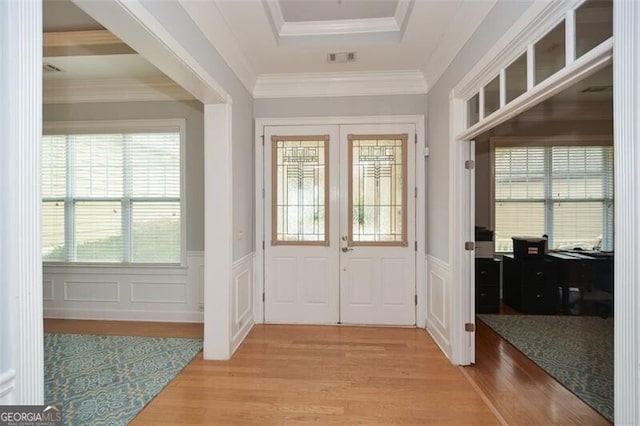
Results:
565 192
111 197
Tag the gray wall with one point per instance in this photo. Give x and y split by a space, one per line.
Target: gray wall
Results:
171 15
192 111
340 106
500 18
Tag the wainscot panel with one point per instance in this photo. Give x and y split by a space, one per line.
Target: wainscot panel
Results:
126 293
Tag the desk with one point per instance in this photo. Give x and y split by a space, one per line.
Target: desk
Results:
531 284
590 273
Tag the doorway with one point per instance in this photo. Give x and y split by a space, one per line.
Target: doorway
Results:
340 224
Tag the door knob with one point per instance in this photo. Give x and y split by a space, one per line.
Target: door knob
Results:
346 249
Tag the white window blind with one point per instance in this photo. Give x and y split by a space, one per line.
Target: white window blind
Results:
565 192
111 198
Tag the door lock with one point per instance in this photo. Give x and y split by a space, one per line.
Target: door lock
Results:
346 249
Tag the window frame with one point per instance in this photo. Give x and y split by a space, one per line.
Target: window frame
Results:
129 126
546 142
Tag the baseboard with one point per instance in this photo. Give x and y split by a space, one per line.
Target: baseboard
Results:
123 315
240 336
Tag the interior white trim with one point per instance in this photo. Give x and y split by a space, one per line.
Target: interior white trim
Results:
218 230
588 64
340 84
21 331
112 90
132 23
384 28
626 96
533 24
260 123
438 287
243 297
217 30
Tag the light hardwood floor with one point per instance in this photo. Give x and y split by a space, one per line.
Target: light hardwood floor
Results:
350 375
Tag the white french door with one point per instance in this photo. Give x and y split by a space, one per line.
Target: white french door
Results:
339 224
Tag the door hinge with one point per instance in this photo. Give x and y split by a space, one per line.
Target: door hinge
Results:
262 192
263 296
415 138
262 140
415 192
415 246
469 164
262 244
470 327
469 245
416 299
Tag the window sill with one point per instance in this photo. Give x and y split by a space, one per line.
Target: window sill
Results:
114 269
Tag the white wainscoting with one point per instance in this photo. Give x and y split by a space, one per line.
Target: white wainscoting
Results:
241 299
439 297
173 294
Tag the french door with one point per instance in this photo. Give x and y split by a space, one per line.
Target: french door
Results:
340 224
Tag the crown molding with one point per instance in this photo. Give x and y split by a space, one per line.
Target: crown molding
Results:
346 30
217 30
112 90
340 84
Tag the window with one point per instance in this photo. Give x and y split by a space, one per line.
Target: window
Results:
565 192
112 197
301 195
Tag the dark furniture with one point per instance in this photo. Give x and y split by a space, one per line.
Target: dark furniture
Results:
530 285
559 282
589 276
488 285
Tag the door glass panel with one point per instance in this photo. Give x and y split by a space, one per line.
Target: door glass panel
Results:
377 189
299 180
550 53
492 96
516 78
594 24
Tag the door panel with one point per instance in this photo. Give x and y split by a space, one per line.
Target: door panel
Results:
301 246
377 261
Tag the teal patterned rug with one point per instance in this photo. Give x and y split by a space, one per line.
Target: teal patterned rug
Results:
576 350
107 380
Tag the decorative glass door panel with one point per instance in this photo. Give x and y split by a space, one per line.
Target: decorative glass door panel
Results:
300 199
378 190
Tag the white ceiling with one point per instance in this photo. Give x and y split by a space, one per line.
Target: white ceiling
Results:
426 41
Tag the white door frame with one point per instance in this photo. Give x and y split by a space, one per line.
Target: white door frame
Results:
131 22
626 33
418 121
540 18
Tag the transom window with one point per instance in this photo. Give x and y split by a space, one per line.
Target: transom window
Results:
565 192
112 197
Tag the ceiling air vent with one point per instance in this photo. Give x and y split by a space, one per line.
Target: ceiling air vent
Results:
341 57
597 89
50 68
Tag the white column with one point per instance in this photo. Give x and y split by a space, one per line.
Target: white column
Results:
21 289
626 95
218 225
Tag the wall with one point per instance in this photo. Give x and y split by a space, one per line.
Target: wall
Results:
499 19
173 17
192 111
340 106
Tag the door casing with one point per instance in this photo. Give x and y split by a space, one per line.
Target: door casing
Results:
261 239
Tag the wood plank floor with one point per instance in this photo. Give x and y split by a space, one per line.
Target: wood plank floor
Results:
522 392
350 375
